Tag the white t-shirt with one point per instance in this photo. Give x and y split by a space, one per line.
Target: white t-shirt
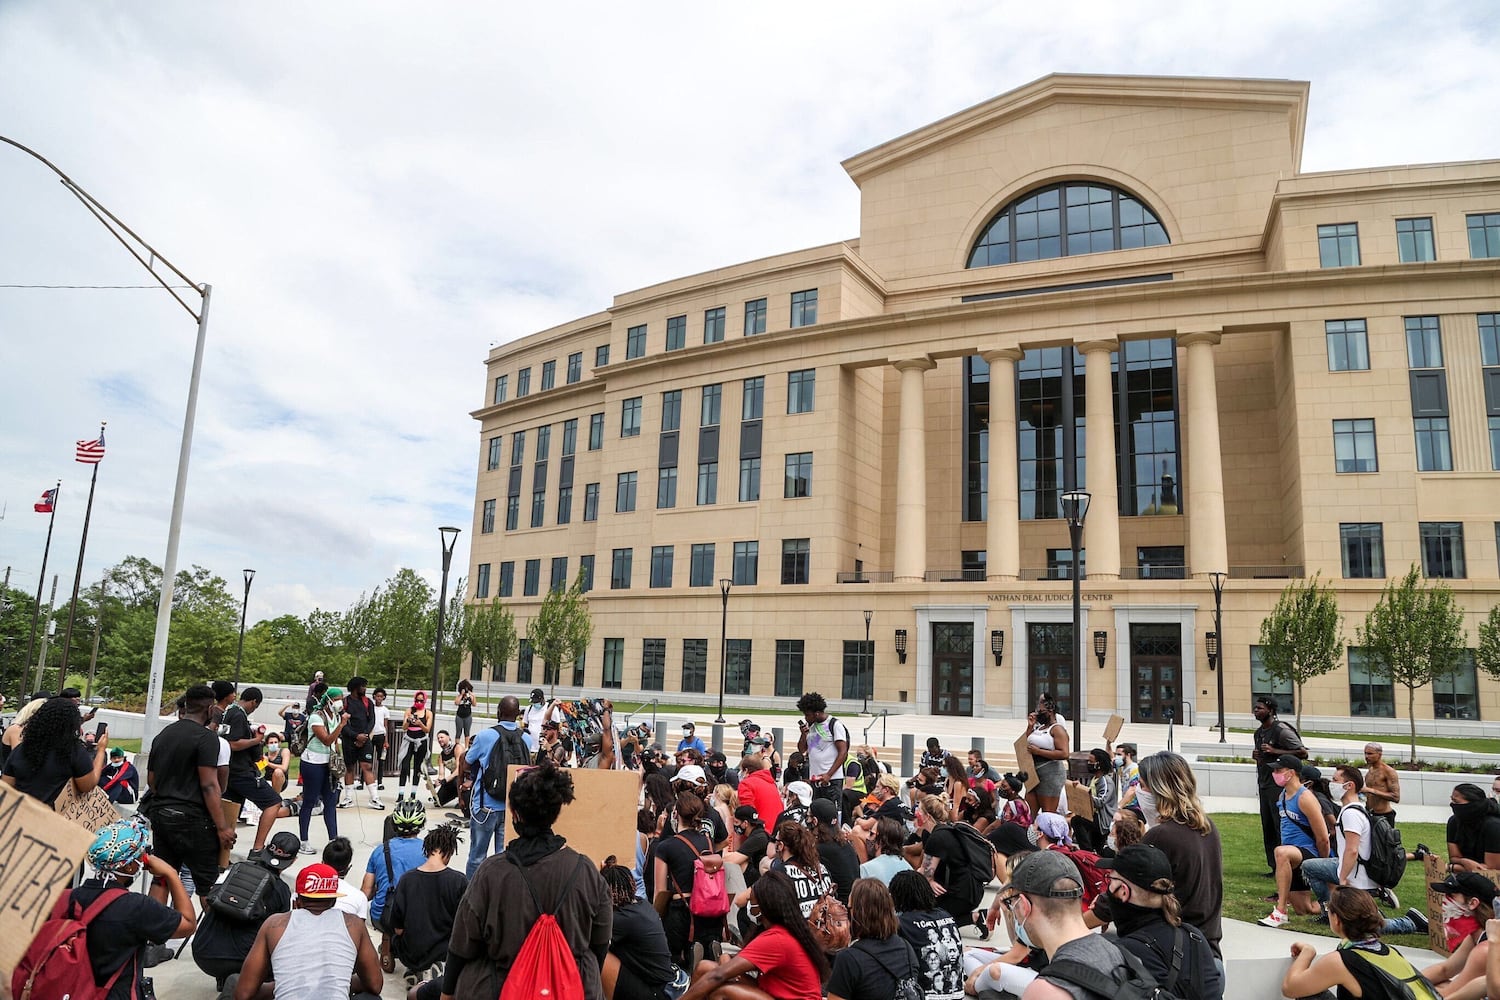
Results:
822 748
382 716
1353 820
532 718
352 901
223 752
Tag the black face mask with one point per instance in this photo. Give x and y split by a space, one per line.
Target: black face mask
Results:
1468 810
1044 718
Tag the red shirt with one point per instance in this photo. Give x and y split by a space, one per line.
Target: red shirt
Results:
785 970
758 789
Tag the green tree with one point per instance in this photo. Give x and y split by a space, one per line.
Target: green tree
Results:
1303 636
400 629
1487 656
356 629
492 639
1414 636
561 630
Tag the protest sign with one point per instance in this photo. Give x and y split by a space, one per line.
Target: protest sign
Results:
1025 762
600 820
91 811
40 852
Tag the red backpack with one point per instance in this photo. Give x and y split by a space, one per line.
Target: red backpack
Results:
57 962
544 968
1094 879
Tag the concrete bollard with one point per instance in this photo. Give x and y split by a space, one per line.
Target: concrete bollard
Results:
908 754
776 738
977 743
717 742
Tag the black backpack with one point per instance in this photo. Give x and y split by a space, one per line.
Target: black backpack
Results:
1132 982
979 853
908 985
510 748
244 895
1387 862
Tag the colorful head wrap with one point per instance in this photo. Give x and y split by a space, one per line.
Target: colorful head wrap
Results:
117 846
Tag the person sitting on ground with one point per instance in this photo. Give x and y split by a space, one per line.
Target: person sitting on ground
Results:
945 863
724 802
338 854
796 768
1126 829
1304 835
980 770
878 957
757 788
316 950
796 856
1362 965
838 858
977 808
1466 909
888 852
934 755
119 779
392 859
755 841
784 958
1044 895
927 781
639 964
274 759
719 771
691 778
955 782
989 971
1473 830
222 942
51 754
674 876
796 799
424 905
1148 920
1013 805
932 933
883 802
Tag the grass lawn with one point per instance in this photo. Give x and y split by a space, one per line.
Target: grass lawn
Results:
1395 746
1244 861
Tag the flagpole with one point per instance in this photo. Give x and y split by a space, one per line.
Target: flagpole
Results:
88 512
36 609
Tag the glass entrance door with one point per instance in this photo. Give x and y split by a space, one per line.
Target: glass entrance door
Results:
952 668
1156 671
1049 655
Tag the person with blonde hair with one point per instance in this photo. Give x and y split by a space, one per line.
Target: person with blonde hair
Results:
1178 825
945 862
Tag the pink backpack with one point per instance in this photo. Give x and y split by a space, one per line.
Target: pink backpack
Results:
709 897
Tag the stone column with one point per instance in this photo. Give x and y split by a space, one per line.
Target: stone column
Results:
1101 529
1003 527
1208 551
911 471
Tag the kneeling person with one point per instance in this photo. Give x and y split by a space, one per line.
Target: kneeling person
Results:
316 949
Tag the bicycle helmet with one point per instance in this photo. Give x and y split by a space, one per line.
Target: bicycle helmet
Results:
409 817
117 846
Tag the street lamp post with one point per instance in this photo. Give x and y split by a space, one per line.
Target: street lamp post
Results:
866 664
240 652
448 537
724 585
1216 580
1075 505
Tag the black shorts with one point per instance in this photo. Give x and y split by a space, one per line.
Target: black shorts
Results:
1299 884
630 986
354 754
245 789
187 837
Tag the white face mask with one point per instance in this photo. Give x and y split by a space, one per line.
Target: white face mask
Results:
1453 909
1147 802
1339 789
1110 842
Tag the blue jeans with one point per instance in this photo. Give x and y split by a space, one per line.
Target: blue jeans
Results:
480 832
1321 873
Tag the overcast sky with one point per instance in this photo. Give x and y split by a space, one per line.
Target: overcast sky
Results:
379 192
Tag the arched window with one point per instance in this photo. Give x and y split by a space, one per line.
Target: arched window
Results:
1065 220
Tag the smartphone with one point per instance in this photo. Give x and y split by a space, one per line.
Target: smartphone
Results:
100 730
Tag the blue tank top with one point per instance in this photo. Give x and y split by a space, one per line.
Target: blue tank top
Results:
1293 834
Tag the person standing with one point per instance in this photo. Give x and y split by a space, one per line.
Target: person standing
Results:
416 727
690 740
1047 739
487 812
463 710
245 750
1272 738
825 740
536 714
378 736
359 750
1382 784
325 724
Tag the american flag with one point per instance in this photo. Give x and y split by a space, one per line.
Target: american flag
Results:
90 452
44 506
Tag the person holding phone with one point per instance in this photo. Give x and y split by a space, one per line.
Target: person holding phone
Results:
51 754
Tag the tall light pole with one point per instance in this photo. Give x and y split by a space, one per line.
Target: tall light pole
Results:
724 585
865 661
1075 505
1216 580
244 606
448 537
148 258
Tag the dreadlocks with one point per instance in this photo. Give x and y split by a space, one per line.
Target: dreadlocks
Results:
620 881
441 840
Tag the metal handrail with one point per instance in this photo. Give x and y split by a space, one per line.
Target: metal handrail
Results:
654 702
880 719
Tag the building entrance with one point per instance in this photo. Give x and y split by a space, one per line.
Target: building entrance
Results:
1156 671
1049 654
952 668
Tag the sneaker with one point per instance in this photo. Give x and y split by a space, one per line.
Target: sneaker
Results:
1388 897
380 786
157 954
307 848
1276 918
359 785
412 978
347 802
1321 918
376 804
227 993
1417 917
317 809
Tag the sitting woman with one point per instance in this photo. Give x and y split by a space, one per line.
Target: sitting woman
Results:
1473 830
977 808
638 964
932 933
797 858
1013 807
1362 964
783 962
1127 829
424 905
879 957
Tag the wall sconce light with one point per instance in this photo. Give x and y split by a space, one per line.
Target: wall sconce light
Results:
901 645
1211 645
997 645
1101 644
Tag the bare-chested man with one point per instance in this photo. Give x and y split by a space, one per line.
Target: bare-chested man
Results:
1382 784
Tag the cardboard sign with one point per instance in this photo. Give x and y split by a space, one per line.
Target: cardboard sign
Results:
1025 762
1079 802
40 852
92 811
1436 870
597 795
1112 728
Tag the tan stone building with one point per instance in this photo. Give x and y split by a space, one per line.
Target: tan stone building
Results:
1122 284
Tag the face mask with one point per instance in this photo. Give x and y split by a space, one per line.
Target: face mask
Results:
1110 842
1280 777
1147 802
1339 789
1119 761
1043 719
753 909
1021 934
1453 909
1467 809
273 748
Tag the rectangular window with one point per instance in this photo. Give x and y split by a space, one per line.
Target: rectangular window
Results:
661 566
1354 446
601 355
575 367
501 384
746 564
859 669
676 333
625 484
737 666
635 342
805 308
1414 241
596 431
794 560
788 668
586 572
565 505
1262 686
512 512
1348 348
653 664
570 437
671 410
1060 563
666 488
1161 562
579 670
1434 446
1338 245
753 402
701 569
1484 235
517 448
1442 549
755 317
630 417
533 584
523 382
1363 547
591 502
559 578
1369 694
507 578
523 661
482 580
619 569
801 388
695 665
749 479
543 442
1457 695
1424 342
708 412
614 663
549 374
708 483
487 519
798 475
538 508
713 325
1489 338
494 458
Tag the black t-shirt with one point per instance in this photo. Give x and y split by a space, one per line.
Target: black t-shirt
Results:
361 715
177 753
58 767
869 967
1475 839
639 940
125 927
942 843
753 847
679 858
1198 869
892 808
729 777
940 952
843 867
237 727
464 707
424 905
